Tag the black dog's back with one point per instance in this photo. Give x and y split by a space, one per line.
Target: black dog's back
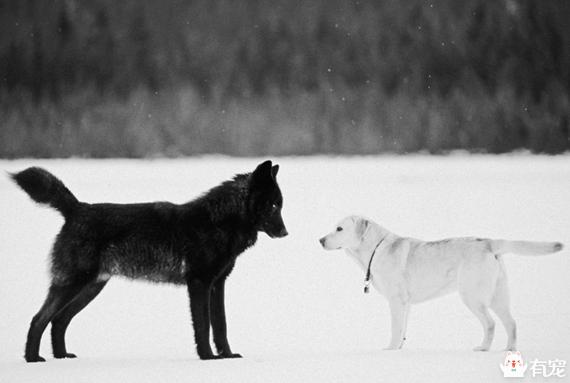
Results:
194 243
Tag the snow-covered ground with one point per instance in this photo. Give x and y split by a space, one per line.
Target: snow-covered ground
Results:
296 312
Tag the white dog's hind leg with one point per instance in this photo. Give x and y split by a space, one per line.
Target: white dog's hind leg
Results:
399 316
482 313
476 282
501 306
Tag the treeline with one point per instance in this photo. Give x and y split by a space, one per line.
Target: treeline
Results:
138 78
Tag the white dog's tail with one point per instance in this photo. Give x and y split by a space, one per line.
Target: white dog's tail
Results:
524 247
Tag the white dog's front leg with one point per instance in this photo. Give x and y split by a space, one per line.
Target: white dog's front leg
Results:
399 313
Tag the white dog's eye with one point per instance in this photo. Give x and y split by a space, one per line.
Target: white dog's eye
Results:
339 228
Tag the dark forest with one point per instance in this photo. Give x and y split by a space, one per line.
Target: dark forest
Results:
143 78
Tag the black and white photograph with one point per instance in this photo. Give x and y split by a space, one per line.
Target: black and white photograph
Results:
284 191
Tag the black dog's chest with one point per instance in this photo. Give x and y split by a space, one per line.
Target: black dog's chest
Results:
242 242
212 257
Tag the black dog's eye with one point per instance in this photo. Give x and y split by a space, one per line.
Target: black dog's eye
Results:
339 228
274 207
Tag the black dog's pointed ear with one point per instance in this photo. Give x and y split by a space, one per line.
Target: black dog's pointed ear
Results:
274 170
262 172
263 169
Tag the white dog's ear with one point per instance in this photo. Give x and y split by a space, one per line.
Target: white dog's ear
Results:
362 227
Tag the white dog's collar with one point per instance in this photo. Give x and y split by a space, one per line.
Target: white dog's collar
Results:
368 278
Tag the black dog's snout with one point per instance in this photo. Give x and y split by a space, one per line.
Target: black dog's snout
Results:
283 233
322 241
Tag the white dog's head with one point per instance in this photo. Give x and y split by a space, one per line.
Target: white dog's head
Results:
348 234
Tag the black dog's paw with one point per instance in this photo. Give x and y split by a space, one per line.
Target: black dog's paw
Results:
67 355
34 359
231 356
210 357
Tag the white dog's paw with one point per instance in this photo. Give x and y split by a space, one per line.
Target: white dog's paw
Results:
481 348
392 347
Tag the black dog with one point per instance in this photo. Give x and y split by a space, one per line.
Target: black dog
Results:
196 244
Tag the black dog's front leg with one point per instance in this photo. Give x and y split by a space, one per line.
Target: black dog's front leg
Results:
218 317
200 308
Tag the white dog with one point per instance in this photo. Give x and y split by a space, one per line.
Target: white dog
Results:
407 270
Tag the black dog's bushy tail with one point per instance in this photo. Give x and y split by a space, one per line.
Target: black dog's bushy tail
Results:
44 187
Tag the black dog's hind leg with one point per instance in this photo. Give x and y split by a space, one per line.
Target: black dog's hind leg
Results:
199 292
218 318
57 298
62 319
